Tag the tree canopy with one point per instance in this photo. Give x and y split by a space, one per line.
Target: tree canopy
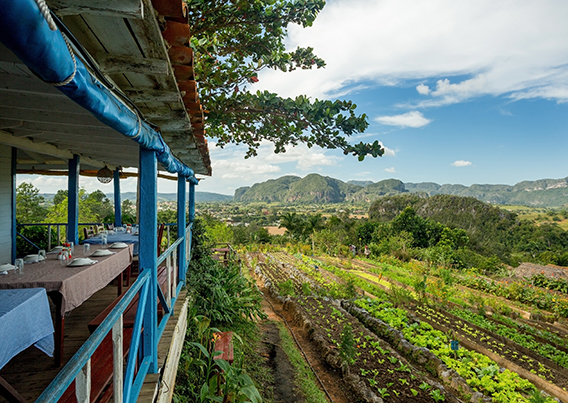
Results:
233 41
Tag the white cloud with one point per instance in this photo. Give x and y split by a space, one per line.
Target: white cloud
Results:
511 47
412 119
461 163
231 170
423 89
390 170
388 151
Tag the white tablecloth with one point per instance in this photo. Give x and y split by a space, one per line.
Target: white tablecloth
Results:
25 319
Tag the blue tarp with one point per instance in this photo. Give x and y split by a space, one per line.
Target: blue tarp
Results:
24 30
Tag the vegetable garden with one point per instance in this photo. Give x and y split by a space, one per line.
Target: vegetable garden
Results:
401 332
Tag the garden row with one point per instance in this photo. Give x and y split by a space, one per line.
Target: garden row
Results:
480 372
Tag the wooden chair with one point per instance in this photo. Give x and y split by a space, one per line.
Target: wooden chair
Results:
88 232
100 228
110 227
134 266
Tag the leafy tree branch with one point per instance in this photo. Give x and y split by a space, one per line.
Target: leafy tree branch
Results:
233 41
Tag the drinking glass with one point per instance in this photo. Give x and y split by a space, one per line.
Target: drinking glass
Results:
41 255
19 263
64 258
71 247
104 241
86 249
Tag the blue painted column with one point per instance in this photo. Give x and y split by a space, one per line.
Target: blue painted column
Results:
73 201
148 172
181 205
13 190
117 200
191 202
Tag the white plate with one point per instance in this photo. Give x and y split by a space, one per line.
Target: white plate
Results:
82 261
33 258
118 245
57 249
102 252
7 267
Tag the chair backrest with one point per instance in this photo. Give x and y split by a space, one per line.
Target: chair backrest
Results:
100 228
110 226
88 232
160 236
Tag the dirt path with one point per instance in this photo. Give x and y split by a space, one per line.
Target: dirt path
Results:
284 375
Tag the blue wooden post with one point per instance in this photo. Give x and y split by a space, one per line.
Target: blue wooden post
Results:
149 249
191 202
117 199
73 201
13 190
181 203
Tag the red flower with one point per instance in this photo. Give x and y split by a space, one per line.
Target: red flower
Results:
254 79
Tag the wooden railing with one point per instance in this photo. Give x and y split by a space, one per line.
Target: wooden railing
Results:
127 382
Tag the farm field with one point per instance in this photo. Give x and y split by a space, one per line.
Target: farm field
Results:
402 332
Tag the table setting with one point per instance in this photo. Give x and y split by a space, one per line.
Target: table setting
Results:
69 282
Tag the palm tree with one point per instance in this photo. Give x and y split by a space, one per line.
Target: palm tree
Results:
292 223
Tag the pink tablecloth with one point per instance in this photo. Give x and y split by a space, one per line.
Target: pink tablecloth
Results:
75 284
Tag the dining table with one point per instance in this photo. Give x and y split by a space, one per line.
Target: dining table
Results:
69 286
112 237
25 320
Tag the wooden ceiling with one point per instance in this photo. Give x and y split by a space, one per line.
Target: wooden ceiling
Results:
125 39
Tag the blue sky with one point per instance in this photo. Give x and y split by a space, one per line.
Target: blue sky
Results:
463 92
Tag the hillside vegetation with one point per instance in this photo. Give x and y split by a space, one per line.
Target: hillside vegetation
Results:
491 231
314 188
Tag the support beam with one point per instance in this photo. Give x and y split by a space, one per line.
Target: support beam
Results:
154 96
73 201
37 157
165 114
13 204
191 202
172 125
181 218
149 250
45 149
112 64
111 8
117 200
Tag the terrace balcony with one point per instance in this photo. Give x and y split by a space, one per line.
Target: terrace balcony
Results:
89 89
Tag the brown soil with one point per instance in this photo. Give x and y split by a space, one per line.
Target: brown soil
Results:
330 378
283 388
531 269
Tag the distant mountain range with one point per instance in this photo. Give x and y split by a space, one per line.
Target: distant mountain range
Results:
200 197
314 188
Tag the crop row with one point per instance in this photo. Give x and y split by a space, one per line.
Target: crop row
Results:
382 369
481 373
519 291
523 339
547 334
526 359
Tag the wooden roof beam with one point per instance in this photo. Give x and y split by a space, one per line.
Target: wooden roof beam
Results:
112 64
112 8
138 96
46 149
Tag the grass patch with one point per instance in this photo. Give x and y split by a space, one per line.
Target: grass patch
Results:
248 356
304 378
373 278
